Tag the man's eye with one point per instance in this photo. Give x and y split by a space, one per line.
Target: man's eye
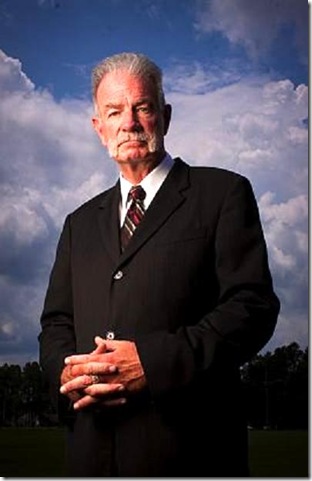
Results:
144 109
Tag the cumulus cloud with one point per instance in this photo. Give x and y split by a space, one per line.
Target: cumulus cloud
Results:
12 77
255 126
52 162
193 78
255 25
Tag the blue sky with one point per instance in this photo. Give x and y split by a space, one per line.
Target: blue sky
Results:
236 73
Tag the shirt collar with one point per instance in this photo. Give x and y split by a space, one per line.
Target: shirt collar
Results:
151 183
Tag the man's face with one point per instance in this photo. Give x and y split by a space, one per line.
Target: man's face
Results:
129 121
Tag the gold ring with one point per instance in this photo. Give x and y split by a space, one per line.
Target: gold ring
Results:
95 379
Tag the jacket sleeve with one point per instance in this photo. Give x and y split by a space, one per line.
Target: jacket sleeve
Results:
243 319
57 338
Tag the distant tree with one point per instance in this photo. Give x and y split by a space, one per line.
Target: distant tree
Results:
276 387
32 388
24 401
10 394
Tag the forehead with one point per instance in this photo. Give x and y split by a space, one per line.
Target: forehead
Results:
121 85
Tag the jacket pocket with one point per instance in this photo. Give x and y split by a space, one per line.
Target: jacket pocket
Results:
184 235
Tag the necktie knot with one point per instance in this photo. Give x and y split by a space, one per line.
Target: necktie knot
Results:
137 193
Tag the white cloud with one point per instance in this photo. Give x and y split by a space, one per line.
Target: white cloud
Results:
291 328
254 126
195 79
21 221
12 78
48 147
286 228
290 213
63 198
255 25
19 327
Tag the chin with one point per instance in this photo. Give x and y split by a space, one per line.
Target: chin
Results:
134 155
132 160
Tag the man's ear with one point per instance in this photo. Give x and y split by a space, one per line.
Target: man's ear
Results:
167 117
97 125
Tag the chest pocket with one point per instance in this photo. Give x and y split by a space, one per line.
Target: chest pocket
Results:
184 235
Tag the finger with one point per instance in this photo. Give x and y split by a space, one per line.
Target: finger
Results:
93 368
84 402
89 400
100 345
77 359
76 384
99 340
103 389
85 359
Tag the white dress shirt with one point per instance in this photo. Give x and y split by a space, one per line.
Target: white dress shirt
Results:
151 184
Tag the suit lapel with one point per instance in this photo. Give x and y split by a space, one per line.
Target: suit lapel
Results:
167 200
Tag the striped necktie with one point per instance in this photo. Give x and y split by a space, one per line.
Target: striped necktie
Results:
134 214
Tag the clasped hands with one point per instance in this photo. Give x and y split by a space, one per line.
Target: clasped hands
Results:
114 365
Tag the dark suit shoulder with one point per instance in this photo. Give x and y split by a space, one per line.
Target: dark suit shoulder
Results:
210 173
215 174
93 203
215 179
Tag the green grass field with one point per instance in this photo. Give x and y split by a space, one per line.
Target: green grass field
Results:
279 454
38 452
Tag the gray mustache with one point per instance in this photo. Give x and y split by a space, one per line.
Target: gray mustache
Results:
137 136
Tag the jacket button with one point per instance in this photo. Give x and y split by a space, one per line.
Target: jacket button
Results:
118 275
110 335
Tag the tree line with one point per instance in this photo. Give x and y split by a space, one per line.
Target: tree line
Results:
275 385
276 389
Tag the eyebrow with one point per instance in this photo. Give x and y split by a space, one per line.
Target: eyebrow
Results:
144 101
112 105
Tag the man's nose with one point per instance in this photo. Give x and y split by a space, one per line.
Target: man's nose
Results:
130 121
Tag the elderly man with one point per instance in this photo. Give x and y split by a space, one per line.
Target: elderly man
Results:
160 290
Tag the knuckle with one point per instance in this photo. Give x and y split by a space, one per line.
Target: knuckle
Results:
92 368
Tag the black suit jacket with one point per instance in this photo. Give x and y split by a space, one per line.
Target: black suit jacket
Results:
194 291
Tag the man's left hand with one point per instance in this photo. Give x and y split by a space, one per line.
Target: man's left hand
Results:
128 375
